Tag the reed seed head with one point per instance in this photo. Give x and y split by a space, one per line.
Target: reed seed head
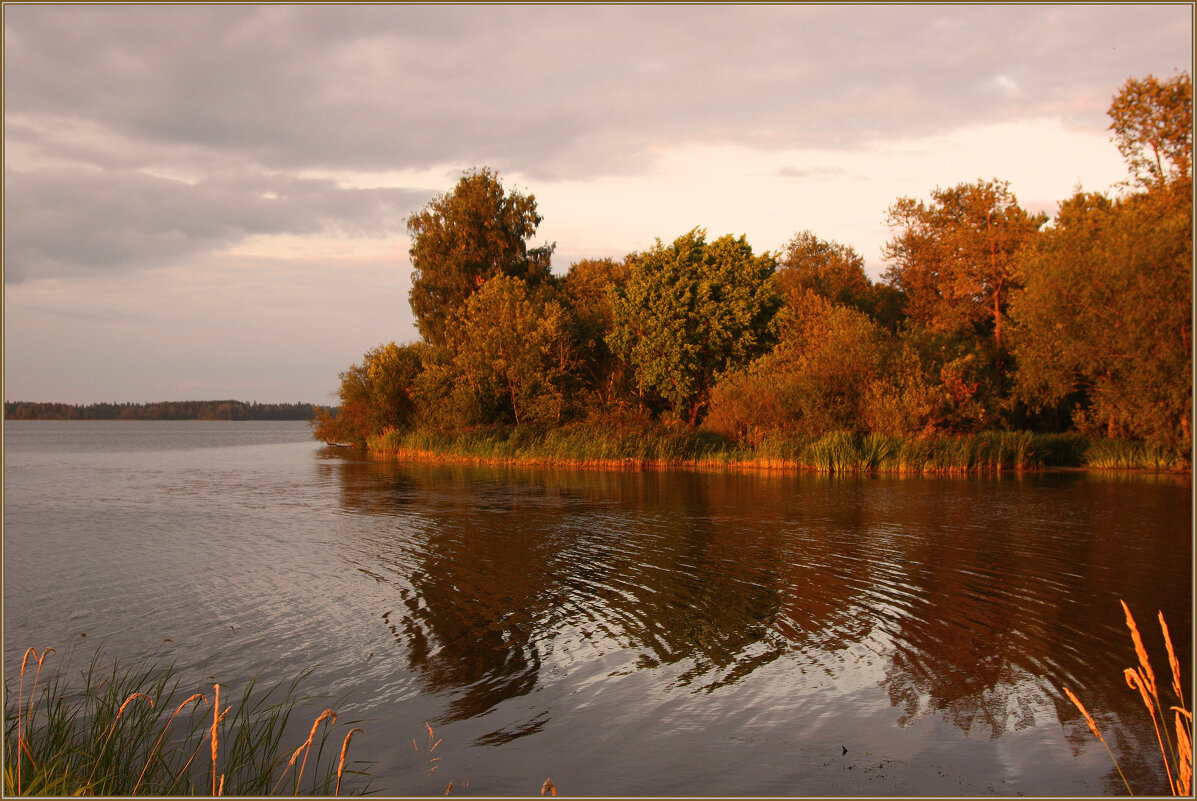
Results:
341 763
1140 651
1088 718
1173 662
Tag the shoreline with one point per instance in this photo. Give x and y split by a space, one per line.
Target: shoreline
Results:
761 465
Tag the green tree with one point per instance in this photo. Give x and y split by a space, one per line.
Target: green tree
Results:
464 238
507 358
1152 121
586 291
691 311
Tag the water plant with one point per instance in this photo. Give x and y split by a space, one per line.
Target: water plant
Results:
116 734
1177 753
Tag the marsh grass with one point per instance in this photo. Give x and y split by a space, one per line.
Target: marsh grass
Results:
124 731
1175 742
642 444
1121 454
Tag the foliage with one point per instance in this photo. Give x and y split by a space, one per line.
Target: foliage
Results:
828 269
906 399
375 395
956 258
1152 121
1105 318
506 359
985 320
815 380
691 311
603 379
464 238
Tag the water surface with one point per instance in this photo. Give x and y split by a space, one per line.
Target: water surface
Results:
662 632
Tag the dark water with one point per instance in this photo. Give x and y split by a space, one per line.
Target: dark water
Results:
660 633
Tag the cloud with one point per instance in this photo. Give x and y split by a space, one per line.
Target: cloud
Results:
806 174
562 91
77 221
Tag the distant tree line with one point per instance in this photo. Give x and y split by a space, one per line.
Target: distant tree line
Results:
988 317
166 410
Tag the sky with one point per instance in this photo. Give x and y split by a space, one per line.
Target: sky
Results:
210 202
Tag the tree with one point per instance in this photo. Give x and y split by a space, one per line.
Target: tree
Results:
1105 319
1152 121
376 395
829 269
586 291
506 358
956 259
814 381
462 239
1104 323
690 312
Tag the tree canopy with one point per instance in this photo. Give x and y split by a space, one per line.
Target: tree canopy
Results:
689 312
466 237
987 317
956 257
1152 121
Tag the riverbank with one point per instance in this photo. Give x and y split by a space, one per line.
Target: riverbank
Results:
590 447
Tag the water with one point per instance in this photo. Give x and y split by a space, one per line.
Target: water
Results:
656 633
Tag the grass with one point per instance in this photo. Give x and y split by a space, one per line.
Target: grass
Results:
838 452
1120 454
126 731
1176 751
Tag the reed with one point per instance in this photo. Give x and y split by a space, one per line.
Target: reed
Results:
641 443
1121 454
1177 753
123 731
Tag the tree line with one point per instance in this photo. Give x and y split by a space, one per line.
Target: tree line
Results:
988 317
165 410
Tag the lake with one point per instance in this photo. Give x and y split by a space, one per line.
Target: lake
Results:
622 633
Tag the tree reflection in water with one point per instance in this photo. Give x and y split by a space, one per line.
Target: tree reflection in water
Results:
500 573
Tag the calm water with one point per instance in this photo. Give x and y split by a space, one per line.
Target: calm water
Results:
660 633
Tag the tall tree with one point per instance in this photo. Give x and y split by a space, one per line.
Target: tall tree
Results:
462 239
1104 323
1105 319
691 311
1152 121
956 258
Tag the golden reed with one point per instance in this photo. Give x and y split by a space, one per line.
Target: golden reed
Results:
1142 679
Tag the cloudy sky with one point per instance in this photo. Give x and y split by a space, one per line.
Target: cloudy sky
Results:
207 202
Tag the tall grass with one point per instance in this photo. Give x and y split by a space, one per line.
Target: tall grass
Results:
1120 454
570 444
125 731
1176 746
838 452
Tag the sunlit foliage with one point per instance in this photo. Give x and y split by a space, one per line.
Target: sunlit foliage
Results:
462 239
987 321
689 312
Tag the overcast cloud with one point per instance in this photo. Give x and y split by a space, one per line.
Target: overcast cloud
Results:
190 140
